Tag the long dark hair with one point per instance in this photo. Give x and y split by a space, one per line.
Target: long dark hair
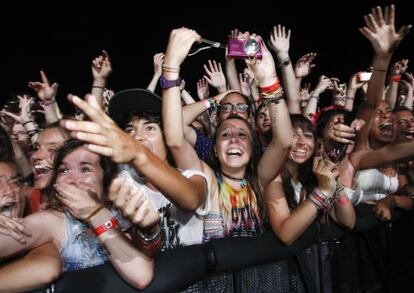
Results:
251 169
70 145
305 173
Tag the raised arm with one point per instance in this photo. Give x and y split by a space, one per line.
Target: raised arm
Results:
47 94
158 60
380 31
280 43
304 66
323 84
179 44
215 76
101 70
397 71
409 98
276 152
354 84
25 117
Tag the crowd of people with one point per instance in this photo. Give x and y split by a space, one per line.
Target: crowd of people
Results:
133 174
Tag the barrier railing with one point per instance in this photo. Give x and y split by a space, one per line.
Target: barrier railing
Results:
324 259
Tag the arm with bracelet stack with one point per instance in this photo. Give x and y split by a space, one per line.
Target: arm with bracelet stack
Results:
280 43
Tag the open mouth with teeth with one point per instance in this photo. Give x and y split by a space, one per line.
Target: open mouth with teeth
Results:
41 168
408 133
8 209
385 127
300 152
234 153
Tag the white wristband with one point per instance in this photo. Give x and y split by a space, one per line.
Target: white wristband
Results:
207 103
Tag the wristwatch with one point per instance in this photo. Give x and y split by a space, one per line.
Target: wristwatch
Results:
166 83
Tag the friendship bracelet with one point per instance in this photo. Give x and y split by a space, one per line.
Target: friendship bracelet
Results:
32 132
284 62
27 122
275 100
271 88
149 238
94 212
171 70
342 200
166 66
48 102
314 97
275 94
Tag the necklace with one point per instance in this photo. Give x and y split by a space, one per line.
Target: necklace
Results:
243 181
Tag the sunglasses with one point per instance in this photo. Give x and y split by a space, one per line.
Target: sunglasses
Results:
227 107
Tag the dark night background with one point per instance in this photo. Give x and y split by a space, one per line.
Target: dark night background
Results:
62 37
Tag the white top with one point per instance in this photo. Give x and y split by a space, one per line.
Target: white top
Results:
179 228
375 184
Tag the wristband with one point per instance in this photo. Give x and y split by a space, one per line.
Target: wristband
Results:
49 102
108 225
206 103
98 87
342 200
395 78
271 88
27 122
149 237
284 62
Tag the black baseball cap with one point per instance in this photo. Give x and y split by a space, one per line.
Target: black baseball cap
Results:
133 100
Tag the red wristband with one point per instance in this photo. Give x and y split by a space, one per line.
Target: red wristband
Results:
395 78
342 200
271 88
108 225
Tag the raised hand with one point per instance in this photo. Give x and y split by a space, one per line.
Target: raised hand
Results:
323 84
179 44
304 92
399 67
101 133
202 89
264 70
215 76
43 89
245 83
101 66
304 65
158 61
279 40
380 30
134 203
25 104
